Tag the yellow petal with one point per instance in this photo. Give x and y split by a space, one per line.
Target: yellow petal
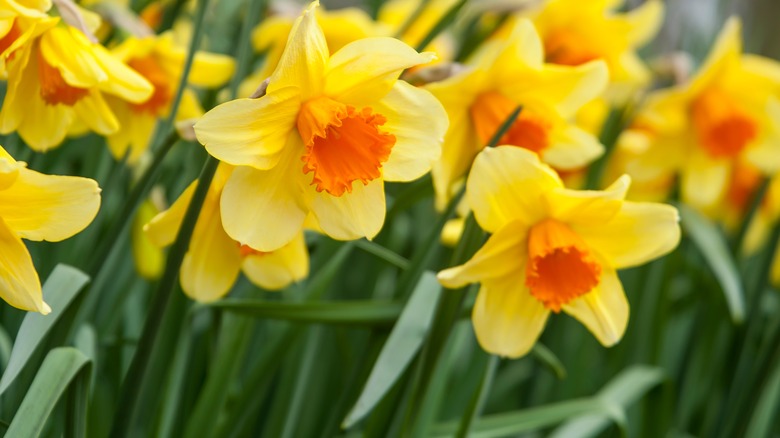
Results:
460 147
604 310
587 206
645 20
418 122
95 113
724 54
19 282
303 62
265 209
211 70
250 132
213 261
507 184
503 254
123 81
277 269
704 181
638 233
365 70
149 258
70 52
351 215
9 169
507 318
572 148
49 207
164 227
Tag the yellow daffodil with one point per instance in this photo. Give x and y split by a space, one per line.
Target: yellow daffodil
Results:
575 32
213 260
507 73
552 249
60 77
20 24
726 114
34 206
325 137
161 62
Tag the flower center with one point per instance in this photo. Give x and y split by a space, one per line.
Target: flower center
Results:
567 48
54 89
722 128
491 109
150 69
14 32
343 144
560 267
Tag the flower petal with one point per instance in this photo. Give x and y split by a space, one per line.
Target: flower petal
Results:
508 184
49 207
504 253
365 70
19 282
164 227
507 318
277 269
352 215
604 310
265 209
96 114
638 233
572 148
588 206
418 122
705 180
250 132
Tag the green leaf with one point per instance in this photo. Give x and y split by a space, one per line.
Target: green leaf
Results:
60 289
549 359
403 343
383 253
368 313
61 367
715 251
447 19
765 414
621 392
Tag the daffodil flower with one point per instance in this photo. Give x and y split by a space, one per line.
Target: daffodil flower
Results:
504 74
213 261
322 141
552 249
726 114
59 78
20 24
161 62
34 206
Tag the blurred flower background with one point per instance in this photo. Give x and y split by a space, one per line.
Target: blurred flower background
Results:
390 218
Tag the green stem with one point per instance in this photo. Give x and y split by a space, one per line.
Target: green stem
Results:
133 381
447 19
480 396
750 214
383 253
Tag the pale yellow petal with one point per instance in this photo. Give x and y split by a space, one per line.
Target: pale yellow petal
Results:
587 206
638 233
19 282
645 20
250 132
351 215
365 70
68 50
418 122
211 70
704 181
604 310
149 258
725 53
123 81
507 318
572 148
9 169
164 227
503 254
265 209
49 207
278 269
96 114
460 147
508 184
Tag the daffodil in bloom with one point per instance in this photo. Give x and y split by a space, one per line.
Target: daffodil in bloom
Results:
507 73
552 249
727 114
575 32
60 77
19 24
161 62
34 206
322 141
214 260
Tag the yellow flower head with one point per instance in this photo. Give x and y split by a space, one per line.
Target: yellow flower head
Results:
161 62
213 260
504 74
727 114
574 32
37 207
552 249
323 139
60 77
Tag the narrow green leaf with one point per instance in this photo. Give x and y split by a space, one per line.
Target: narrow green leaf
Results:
403 343
715 251
60 289
479 397
383 253
368 313
621 392
549 359
61 367
765 414
446 20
